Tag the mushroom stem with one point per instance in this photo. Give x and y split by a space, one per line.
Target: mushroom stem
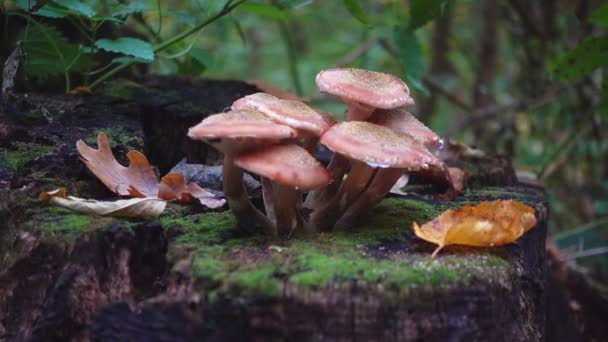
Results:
381 184
269 199
286 199
337 167
240 204
357 111
356 182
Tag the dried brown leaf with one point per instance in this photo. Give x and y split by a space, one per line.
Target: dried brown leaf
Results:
486 225
133 207
173 187
139 180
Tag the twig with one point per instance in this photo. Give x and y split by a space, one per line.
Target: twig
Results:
584 253
292 57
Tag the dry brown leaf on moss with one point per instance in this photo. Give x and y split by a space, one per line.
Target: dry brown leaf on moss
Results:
173 187
488 224
139 180
133 207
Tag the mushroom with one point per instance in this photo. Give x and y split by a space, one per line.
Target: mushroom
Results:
309 123
364 91
404 123
233 133
292 169
369 147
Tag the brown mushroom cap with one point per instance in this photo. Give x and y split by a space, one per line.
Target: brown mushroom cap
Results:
371 88
290 165
237 130
291 113
378 146
402 121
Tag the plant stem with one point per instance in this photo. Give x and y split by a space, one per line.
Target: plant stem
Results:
292 58
230 5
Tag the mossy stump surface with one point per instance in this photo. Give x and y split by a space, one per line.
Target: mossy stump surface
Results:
190 275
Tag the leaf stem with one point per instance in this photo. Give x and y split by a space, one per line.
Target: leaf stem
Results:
228 7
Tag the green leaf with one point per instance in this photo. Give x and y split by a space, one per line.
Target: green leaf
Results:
48 53
293 4
128 46
410 56
355 9
128 9
77 7
582 60
130 60
49 10
202 57
423 11
265 10
600 16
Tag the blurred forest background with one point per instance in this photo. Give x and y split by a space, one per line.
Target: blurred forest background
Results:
521 78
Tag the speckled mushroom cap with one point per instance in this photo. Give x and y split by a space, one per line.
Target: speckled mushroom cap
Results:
289 165
240 130
378 146
402 121
291 113
371 88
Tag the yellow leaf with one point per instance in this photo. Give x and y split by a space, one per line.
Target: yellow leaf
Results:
485 225
134 207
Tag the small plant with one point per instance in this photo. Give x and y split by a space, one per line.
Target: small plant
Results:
274 138
49 52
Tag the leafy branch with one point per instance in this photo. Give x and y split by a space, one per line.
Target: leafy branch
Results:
228 7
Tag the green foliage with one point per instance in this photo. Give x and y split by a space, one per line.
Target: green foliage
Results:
423 11
128 46
49 53
410 57
583 59
600 16
265 10
355 9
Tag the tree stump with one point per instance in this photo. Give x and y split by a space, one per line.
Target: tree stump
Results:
190 275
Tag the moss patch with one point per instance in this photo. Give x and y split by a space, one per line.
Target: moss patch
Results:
57 222
118 135
23 153
257 266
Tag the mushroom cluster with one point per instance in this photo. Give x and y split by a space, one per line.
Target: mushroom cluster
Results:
275 138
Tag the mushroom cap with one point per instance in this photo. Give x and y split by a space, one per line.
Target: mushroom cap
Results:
378 146
295 114
402 121
238 130
289 165
374 89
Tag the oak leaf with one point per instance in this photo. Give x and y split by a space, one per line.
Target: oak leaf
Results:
133 207
486 225
138 179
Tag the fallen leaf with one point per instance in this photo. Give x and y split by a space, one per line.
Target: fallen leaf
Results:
486 225
173 187
139 180
133 207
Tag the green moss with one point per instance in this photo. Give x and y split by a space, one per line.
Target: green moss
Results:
57 221
122 89
24 152
201 229
261 267
117 134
